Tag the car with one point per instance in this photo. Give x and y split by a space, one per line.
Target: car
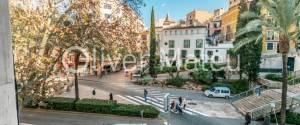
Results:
221 92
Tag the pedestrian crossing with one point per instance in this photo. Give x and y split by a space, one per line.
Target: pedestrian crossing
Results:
156 102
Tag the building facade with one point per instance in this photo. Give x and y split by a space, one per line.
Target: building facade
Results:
271 58
189 40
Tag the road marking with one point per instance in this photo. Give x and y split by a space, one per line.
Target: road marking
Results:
192 110
128 100
142 102
25 124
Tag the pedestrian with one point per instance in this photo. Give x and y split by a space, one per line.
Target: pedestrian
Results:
180 100
173 104
111 97
94 93
247 118
145 94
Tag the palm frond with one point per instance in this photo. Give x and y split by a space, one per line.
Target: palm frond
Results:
252 26
243 42
249 15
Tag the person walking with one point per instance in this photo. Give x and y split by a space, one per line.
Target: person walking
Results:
93 93
247 119
145 94
180 100
111 97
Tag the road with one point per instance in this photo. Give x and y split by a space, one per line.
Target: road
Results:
45 117
121 86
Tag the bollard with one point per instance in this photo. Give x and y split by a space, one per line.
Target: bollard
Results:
166 102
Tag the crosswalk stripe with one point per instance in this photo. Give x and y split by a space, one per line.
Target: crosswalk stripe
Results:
158 106
128 100
192 110
149 100
142 102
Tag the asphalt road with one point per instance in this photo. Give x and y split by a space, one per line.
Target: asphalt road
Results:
47 117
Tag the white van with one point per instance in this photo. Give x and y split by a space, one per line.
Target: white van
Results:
223 92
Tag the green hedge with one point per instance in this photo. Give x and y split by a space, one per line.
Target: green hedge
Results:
274 77
95 106
101 106
61 103
135 110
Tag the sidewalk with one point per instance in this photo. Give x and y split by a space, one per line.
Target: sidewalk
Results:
86 92
216 109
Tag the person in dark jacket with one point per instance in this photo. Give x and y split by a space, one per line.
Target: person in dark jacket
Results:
180 100
145 95
248 119
111 97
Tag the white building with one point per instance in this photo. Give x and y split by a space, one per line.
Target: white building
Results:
182 44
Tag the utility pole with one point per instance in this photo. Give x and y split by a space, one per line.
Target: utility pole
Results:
8 105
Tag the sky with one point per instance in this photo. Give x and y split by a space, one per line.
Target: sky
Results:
177 9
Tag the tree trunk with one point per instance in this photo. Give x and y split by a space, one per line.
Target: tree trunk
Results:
77 55
284 47
284 89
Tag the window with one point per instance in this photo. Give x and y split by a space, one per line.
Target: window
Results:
171 32
270 46
216 58
210 53
197 53
192 31
298 47
186 32
270 35
186 43
171 44
199 43
166 32
224 91
183 53
107 6
171 53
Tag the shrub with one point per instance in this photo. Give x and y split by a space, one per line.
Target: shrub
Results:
165 69
274 77
176 81
190 66
61 103
291 118
206 87
95 106
135 110
101 106
201 76
238 86
170 69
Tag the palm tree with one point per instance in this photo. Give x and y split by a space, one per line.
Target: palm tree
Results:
285 18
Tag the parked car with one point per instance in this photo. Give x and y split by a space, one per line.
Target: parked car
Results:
221 92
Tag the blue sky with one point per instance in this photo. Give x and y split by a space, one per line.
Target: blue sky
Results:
179 8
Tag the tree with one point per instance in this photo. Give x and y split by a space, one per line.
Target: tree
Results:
152 45
41 35
285 19
250 54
